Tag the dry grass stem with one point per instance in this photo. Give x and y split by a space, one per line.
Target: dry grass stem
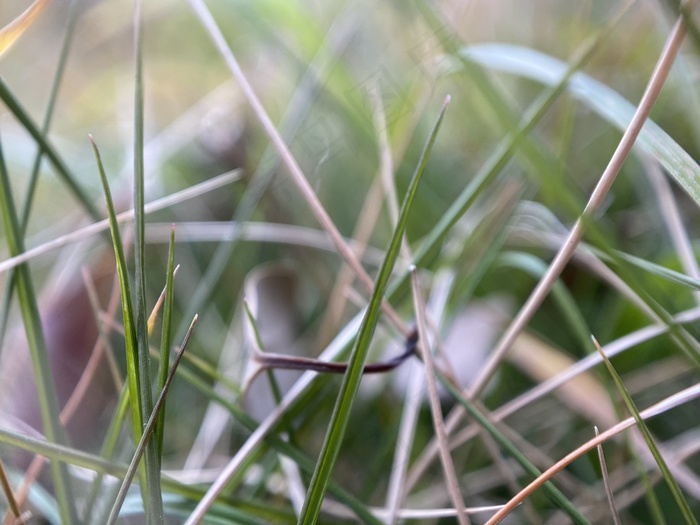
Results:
423 344
290 162
656 83
668 208
606 483
669 403
127 216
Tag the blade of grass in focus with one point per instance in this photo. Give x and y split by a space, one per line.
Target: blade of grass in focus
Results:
153 502
351 381
148 430
132 359
165 336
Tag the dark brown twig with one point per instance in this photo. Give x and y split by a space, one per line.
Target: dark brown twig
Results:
285 362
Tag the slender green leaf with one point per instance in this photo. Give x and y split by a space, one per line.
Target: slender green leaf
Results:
25 210
351 380
132 361
600 98
151 491
148 430
663 467
166 335
45 386
557 497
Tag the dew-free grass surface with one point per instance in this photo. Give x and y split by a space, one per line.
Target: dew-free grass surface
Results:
325 107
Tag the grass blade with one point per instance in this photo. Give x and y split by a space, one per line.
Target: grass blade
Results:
600 98
152 495
131 340
148 429
606 483
663 467
166 335
351 381
59 165
74 12
46 388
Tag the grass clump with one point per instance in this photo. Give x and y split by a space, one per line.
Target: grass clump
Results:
309 201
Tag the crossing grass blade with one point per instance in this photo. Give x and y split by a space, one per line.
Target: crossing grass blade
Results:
663 467
554 494
30 192
148 429
351 381
602 99
62 170
46 388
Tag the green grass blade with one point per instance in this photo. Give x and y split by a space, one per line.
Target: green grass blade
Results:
152 493
43 378
566 304
609 104
74 12
557 497
148 430
351 380
663 467
166 335
615 256
56 161
656 514
500 157
131 340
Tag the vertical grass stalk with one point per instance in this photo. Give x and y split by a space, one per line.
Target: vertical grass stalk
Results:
45 386
154 501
